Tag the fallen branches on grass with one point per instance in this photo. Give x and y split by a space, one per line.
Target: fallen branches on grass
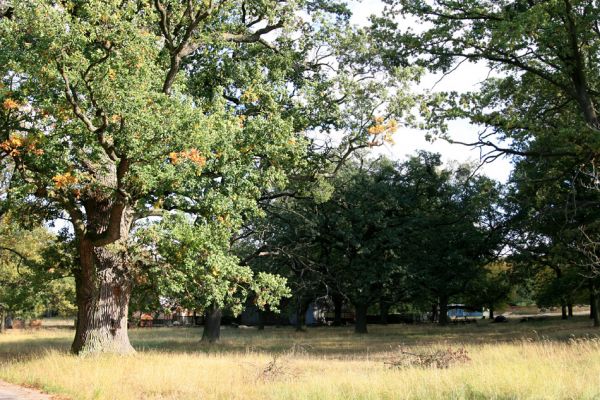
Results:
441 358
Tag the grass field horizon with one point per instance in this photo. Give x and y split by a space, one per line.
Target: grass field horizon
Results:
536 360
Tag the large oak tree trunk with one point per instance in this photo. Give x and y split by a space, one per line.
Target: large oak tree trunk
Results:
103 288
570 310
491 313
360 326
212 325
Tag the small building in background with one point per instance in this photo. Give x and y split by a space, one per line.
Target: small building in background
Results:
463 311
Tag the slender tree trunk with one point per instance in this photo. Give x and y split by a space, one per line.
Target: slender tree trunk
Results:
212 325
338 302
492 313
595 302
434 312
2 321
570 310
360 325
103 288
596 314
301 308
592 303
261 320
384 310
443 310
563 310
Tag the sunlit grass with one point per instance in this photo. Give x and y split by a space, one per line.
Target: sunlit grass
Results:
543 360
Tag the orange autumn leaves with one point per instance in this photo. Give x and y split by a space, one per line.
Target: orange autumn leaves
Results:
192 155
64 180
16 146
10 104
382 131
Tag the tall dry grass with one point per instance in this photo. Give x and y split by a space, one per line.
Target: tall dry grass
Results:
553 360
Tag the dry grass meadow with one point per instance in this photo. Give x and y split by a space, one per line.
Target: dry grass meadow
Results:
535 360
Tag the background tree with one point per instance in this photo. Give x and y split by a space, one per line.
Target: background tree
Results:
33 268
493 288
540 109
455 230
195 268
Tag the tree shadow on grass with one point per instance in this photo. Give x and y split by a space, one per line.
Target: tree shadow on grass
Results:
330 342
343 343
23 349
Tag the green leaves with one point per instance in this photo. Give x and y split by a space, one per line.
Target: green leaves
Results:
34 271
191 265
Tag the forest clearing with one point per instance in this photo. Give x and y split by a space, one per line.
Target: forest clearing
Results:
550 359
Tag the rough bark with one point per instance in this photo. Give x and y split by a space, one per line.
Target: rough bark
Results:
212 325
103 289
570 310
360 325
103 279
443 311
2 321
492 313
338 302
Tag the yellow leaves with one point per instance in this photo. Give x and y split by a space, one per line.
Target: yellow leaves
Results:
249 96
64 180
112 75
192 155
17 145
382 131
224 219
63 114
10 104
158 204
242 120
247 149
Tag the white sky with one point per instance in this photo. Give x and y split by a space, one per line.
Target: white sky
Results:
465 78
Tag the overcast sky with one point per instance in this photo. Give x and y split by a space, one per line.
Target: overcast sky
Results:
465 78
